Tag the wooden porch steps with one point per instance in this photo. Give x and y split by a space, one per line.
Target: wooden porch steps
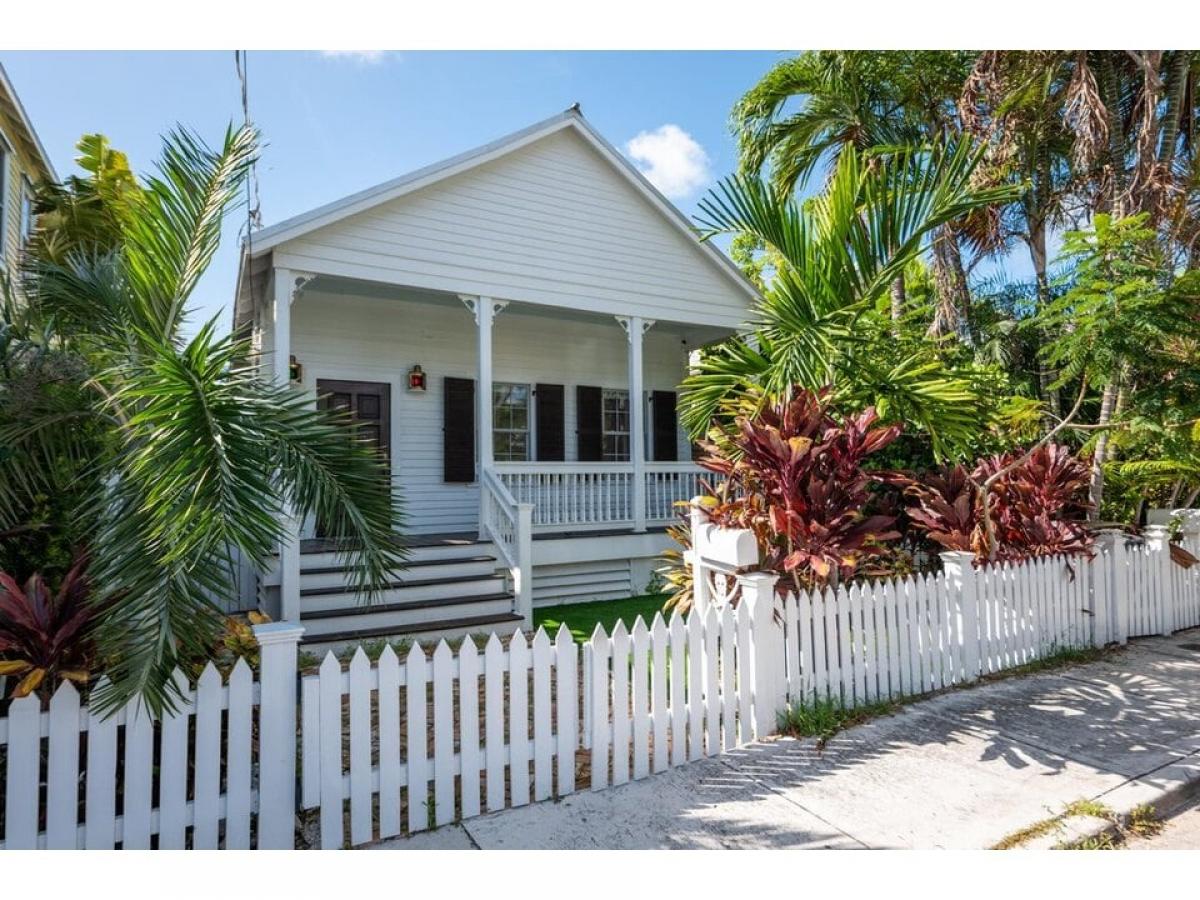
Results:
452 585
504 623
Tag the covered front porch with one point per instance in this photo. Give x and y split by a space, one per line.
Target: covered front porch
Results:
571 412
507 419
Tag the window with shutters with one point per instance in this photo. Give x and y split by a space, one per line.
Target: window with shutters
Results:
510 422
615 425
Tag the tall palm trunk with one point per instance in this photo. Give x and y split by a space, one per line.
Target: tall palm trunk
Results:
1037 254
1177 78
1111 94
898 302
952 312
1111 401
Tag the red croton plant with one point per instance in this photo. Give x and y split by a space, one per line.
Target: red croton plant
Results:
1038 506
44 634
794 476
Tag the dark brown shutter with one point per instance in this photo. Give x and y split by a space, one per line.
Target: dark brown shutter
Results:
548 400
589 427
458 430
662 405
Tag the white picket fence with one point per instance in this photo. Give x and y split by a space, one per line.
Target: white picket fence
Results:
909 636
202 777
404 745
401 745
902 637
438 738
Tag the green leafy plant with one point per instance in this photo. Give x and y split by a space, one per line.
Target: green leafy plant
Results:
818 323
182 450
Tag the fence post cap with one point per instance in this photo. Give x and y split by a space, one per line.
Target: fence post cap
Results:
958 557
277 633
759 578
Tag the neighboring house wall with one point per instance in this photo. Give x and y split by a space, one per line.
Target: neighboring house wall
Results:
21 168
551 223
367 339
18 167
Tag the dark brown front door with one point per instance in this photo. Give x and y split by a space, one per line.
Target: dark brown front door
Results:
369 404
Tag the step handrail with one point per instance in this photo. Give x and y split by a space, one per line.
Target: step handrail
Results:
509 525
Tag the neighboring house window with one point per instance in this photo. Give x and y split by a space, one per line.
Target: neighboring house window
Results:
26 212
510 422
615 425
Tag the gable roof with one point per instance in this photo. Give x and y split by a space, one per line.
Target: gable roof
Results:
263 241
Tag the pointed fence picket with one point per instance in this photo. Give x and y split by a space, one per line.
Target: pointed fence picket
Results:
458 732
129 780
404 744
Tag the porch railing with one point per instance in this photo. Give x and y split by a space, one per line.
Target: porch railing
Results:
598 495
508 522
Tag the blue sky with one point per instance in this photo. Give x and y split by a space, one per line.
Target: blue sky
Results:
333 125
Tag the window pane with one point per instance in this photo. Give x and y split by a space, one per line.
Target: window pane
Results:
510 422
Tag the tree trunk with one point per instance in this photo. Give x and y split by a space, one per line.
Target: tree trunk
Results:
1111 402
898 302
952 311
1177 78
1114 202
1037 254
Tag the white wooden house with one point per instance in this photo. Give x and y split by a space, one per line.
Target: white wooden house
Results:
550 297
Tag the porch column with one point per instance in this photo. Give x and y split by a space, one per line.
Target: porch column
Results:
287 285
485 314
484 309
635 327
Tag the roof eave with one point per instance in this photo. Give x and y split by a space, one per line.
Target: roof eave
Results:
34 141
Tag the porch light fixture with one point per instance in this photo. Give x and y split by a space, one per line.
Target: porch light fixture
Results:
416 380
295 370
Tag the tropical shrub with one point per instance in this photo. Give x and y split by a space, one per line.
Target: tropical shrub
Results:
794 475
44 636
1038 505
176 444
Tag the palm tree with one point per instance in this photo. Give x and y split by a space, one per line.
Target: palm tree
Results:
180 450
819 320
807 110
1129 117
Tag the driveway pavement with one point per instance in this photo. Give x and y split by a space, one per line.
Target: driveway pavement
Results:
961 770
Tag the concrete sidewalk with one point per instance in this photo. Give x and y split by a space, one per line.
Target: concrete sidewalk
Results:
964 769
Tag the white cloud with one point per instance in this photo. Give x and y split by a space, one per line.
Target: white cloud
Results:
361 56
672 159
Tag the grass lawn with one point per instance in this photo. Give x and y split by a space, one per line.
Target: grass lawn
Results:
581 618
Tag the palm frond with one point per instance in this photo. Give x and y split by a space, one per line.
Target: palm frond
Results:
170 236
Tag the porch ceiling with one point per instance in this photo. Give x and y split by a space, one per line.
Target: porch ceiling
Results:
327 288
